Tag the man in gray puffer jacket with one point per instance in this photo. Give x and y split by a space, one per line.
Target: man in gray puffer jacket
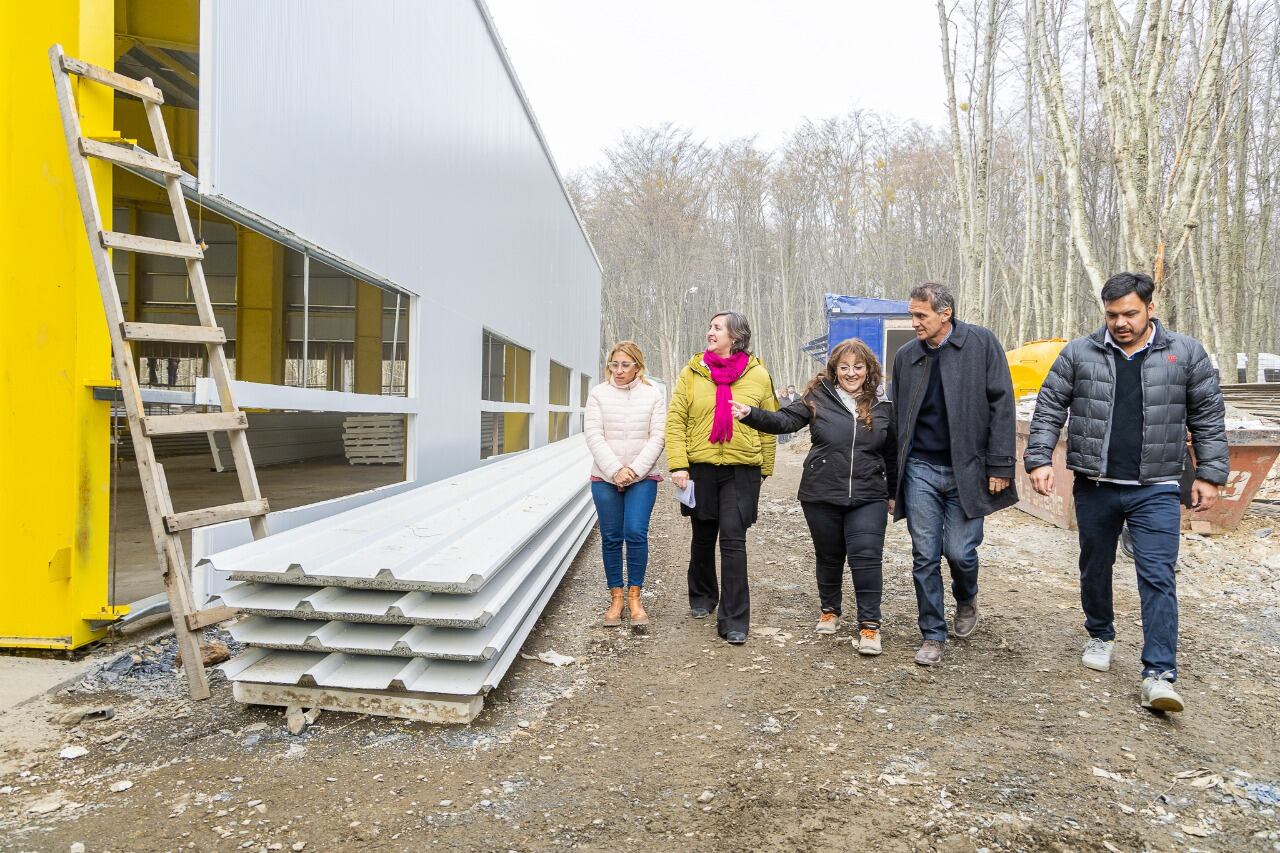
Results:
1133 389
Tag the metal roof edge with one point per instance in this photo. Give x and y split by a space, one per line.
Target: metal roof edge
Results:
483 8
245 217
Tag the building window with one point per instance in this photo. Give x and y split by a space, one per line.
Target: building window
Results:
506 376
506 371
584 391
503 432
557 398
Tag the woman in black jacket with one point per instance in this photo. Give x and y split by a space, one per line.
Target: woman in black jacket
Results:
849 479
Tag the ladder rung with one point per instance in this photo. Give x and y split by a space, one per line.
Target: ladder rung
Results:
150 245
129 157
180 521
153 425
173 332
119 82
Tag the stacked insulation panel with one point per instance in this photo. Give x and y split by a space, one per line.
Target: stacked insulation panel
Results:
373 439
415 605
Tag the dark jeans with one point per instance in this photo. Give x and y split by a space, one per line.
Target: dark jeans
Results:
1154 518
732 596
624 517
855 534
939 528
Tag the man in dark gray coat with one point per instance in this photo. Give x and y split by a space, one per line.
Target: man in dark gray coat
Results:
955 426
1133 389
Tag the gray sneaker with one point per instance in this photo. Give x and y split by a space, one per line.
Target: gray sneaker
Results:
1158 694
930 653
966 618
1097 654
828 623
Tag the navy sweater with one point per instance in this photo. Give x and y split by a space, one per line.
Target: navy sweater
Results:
931 440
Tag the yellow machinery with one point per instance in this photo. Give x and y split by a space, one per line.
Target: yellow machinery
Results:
1029 364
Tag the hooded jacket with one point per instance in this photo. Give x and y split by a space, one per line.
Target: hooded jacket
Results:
693 406
850 464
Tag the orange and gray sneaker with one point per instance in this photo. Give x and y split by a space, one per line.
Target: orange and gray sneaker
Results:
869 640
828 623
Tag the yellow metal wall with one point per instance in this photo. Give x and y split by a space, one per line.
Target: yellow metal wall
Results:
368 348
259 308
53 338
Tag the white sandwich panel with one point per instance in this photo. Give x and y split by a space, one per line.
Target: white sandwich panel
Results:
465 644
416 540
473 610
394 134
377 673
456 551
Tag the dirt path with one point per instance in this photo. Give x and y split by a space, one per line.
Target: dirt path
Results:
678 742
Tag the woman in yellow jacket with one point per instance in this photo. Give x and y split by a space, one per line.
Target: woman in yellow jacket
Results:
726 462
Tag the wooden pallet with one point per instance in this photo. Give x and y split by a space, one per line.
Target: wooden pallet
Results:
374 439
166 523
425 707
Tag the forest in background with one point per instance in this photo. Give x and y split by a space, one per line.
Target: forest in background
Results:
1079 138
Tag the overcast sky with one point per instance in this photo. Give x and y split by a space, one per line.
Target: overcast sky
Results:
725 69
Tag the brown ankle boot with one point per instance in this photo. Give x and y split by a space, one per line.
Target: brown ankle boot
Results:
613 616
635 610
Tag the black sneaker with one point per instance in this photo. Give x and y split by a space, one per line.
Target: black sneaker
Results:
699 612
735 638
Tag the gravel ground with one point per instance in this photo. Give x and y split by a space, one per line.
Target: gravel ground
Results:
675 741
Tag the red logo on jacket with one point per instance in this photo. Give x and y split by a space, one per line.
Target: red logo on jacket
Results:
1173 358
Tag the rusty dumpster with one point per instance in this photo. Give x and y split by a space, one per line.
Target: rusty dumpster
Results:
1252 452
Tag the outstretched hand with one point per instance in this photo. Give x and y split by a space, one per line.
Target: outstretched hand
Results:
740 410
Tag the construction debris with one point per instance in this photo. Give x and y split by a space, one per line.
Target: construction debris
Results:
211 652
86 715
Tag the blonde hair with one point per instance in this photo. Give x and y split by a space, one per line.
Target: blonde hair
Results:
632 351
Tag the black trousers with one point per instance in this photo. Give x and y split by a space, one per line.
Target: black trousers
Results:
853 534
734 495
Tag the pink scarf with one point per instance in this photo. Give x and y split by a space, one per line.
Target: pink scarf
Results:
724 372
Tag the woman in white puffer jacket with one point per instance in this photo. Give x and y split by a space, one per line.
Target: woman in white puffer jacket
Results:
625 426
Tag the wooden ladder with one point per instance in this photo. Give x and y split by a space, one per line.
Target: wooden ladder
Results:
166 525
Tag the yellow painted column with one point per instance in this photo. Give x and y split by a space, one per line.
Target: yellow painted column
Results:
260 314
368 339
54 438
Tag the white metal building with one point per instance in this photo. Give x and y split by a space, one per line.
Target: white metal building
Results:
394 139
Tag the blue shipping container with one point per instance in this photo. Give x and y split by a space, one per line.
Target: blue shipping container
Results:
884 325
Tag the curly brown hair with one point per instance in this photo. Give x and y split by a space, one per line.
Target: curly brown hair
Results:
866 396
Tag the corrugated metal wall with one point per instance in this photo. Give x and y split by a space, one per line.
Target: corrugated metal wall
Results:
392 133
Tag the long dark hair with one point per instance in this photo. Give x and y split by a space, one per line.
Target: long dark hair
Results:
866 396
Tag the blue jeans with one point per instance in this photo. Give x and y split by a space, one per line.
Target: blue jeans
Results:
1155 517
624 517
938 528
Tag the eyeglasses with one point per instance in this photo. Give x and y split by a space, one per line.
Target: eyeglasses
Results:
623 365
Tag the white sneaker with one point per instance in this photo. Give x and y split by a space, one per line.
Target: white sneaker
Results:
1158 694
828 623
1097 654
869 641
